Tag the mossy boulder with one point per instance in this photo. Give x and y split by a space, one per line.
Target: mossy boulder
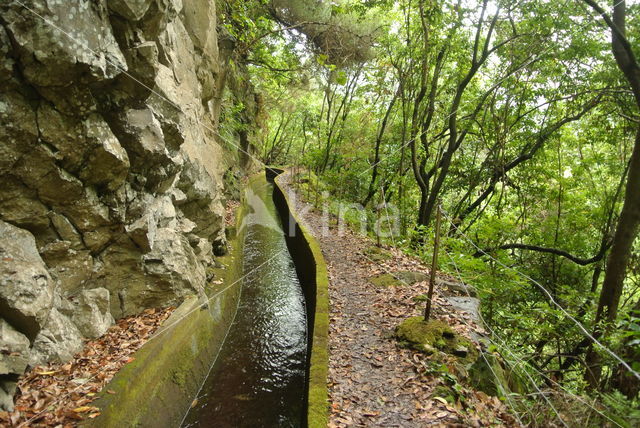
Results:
410 277
447 393
491 375
432 336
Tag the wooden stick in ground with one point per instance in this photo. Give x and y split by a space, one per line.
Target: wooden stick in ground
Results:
434 265
378 223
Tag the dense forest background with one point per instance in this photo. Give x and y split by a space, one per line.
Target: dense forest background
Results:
519 119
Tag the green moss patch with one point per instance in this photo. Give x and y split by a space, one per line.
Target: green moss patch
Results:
410 277
396 279
385 280
377 254
433 336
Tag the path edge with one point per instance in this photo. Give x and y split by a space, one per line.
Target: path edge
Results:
307 255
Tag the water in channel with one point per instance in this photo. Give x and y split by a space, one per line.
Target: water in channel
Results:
258 379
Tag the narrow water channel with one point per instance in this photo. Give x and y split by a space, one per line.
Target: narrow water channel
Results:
258 379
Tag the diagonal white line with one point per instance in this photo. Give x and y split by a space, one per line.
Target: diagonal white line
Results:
551 299
515 356
533 382
163 329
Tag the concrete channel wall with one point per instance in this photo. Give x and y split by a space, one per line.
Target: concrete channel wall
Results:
157 388
312 273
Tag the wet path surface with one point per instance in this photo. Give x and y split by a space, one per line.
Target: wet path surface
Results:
259 376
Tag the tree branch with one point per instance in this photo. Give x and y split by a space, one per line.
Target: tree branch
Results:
562 253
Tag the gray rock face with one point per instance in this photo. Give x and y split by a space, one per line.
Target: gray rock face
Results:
13 351
131 10
92 314
59 339
8 386
32 330
26 288
457 288
112 189
470 305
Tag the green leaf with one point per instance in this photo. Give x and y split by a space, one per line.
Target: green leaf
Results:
322 59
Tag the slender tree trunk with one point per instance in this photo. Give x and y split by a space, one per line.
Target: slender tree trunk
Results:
383 126
629 221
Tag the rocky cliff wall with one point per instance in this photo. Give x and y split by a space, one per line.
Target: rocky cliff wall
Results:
111 190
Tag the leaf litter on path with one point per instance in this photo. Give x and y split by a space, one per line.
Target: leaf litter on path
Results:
59 394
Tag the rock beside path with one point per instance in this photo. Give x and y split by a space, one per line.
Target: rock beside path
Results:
457 288
434 336
400 278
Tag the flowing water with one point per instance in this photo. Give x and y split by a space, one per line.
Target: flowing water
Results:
258 379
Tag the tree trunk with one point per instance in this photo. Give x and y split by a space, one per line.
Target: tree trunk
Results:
376 161
629 221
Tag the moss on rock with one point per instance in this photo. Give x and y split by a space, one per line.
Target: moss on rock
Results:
395 279
385 280
410 277
491 375
447 393
432 336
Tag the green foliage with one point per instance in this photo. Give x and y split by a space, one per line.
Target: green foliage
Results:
547 128
340 32
624 412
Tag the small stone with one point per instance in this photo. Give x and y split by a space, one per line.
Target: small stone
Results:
377 254
385 280
220 247
461 351
8 386
428 349
457 288
410 277
92 315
